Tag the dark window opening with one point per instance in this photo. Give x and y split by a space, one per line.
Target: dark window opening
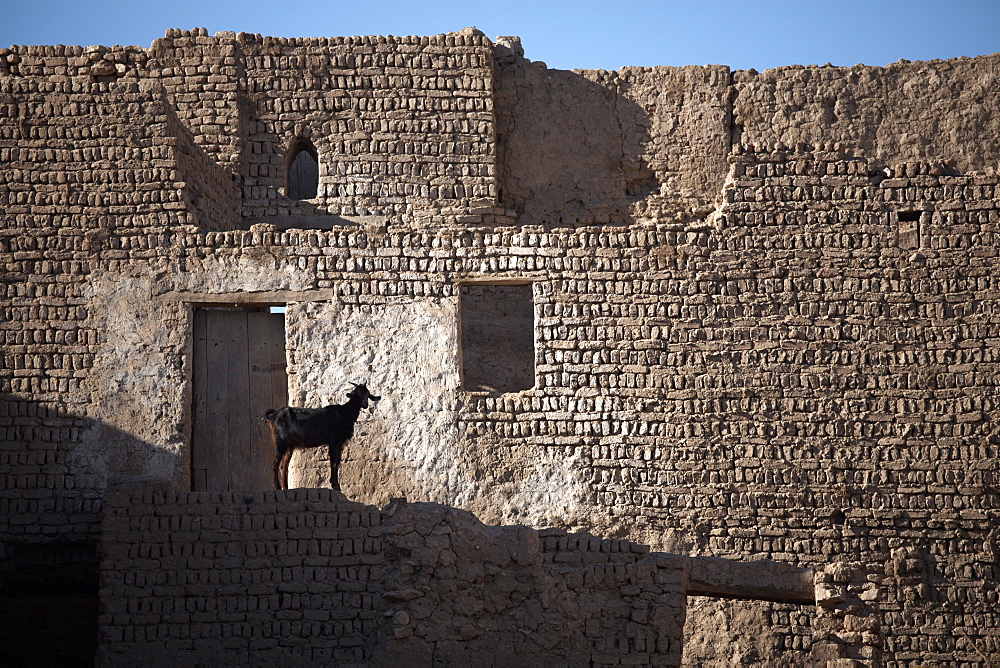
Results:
908 229
303 171
498 338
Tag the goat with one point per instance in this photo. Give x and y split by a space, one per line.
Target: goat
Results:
332 425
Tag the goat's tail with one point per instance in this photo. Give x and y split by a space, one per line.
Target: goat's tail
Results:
269 415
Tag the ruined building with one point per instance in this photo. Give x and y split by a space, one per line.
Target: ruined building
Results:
712 318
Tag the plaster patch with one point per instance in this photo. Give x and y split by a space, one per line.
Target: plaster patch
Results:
253 270
406 351
138 400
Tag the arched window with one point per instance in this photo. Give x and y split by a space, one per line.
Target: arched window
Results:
303 170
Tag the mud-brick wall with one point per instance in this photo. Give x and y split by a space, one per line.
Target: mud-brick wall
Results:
93 175
238 579
201 74
790 384
793 382
857 375
79 157
310 578
402 126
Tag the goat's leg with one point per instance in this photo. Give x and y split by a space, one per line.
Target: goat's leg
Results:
278 456
336 452
285 461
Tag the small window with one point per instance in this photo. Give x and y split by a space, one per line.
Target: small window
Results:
303 171
908 229
498 338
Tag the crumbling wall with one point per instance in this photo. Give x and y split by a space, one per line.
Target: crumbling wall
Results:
589 146
310 578
937 110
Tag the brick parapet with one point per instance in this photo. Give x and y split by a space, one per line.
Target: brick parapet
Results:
307 576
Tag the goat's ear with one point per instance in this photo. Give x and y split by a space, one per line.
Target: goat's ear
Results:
374 398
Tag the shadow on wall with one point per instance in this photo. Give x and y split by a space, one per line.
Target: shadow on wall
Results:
56 466
50 514
427 584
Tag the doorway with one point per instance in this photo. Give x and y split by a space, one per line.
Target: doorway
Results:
239 373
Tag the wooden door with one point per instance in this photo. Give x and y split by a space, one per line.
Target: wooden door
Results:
239 373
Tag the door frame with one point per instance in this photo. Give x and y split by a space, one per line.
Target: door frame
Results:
189 458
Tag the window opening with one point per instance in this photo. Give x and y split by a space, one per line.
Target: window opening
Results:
303 171
908 229
497 325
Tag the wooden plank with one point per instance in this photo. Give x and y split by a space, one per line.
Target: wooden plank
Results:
237 402
199 418
267 376
216 443
257 350
278 363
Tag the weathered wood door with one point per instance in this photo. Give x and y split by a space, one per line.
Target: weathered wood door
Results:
239 372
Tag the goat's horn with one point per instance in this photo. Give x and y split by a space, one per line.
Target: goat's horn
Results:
354 384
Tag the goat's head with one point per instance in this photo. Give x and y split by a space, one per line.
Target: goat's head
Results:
363 395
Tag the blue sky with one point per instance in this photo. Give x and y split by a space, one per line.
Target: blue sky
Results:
564 34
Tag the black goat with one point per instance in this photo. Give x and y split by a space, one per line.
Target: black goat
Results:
333 425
